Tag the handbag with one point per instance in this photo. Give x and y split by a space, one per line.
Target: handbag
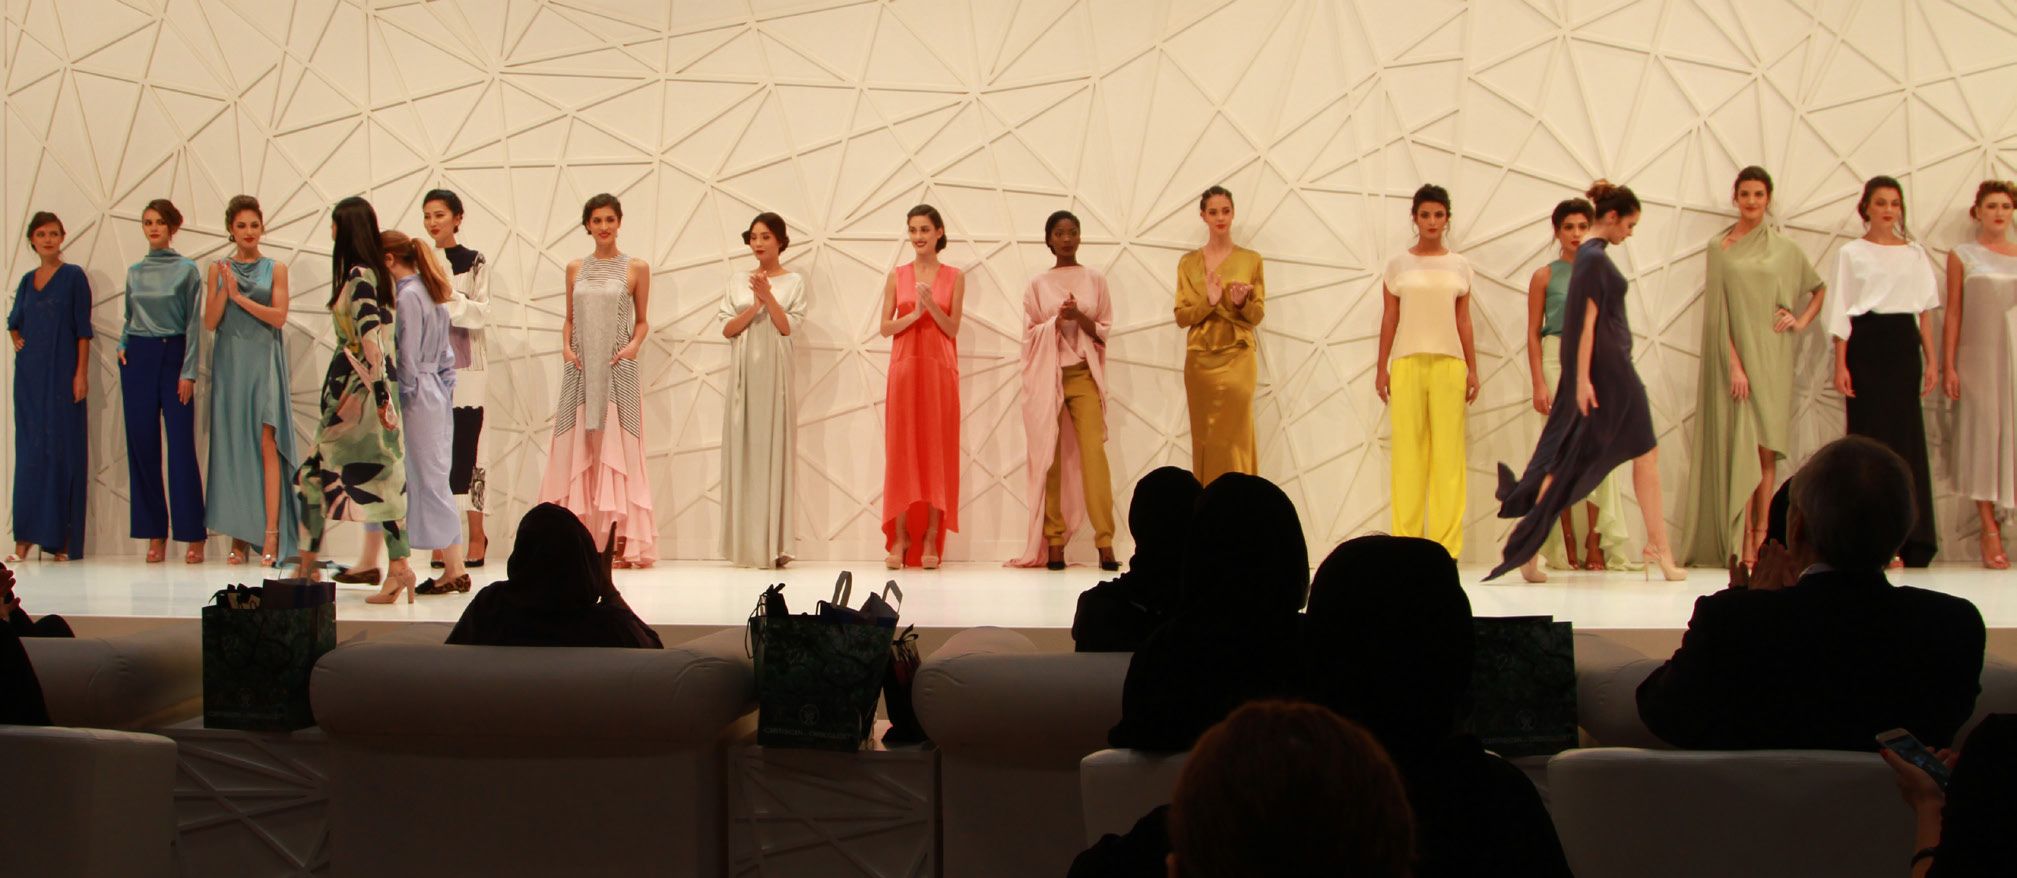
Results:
818 674
896 690
259 646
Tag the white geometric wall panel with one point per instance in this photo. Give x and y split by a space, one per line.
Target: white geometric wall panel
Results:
1321 115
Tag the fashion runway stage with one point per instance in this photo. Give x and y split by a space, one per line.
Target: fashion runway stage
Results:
127 591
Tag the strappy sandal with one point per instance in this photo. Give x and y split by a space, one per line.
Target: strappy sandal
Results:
157 551
194 554
1593 553
1993 556
268 556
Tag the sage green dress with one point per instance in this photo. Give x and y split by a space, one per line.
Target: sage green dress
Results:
1746 285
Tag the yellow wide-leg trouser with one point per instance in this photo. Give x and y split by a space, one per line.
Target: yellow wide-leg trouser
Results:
1082 401
1426 407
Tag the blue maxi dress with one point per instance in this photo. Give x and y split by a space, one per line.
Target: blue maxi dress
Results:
426 395
51 469
249 390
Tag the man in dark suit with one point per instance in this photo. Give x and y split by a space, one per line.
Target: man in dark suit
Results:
1840 655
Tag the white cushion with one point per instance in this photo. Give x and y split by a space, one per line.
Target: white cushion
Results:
474 760
86 802
1681 814
1117 787
1011 725
143 680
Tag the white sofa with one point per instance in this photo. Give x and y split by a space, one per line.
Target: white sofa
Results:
504 761
1608 675
1117 787
82 803
134 681
1635 813
1011 725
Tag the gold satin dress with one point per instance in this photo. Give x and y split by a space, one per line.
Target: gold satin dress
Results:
1221 363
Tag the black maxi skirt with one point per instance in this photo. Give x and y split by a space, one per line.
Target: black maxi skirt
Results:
1886 369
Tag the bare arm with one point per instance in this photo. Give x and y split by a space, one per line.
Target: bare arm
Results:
1390 319
640 297
1929 376
741 321
1812 310
274 315
948 320
1537 307
567 351
1950 352
892 324
1470 349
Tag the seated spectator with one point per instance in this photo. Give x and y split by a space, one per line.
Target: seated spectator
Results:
1117 615
21 701
1965 830
1246 572
1842 654
559 593
1282 788
1388 645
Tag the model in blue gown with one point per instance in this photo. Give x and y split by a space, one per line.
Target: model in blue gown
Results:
248 391
51 471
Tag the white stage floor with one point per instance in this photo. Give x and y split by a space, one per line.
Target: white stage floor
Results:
959 596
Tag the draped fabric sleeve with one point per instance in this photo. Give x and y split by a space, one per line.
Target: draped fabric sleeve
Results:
793 301
1103 316
729 304
369 315
1927 283
80 305
1192 308
1846 287
189 288
1250 314
470 309
1810 280
410 334
20 293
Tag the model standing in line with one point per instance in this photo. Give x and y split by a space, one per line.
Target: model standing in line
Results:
1610 421
245 303
1067 314
1221 298
1760 292
596 466
1981 362
50 324
159 350
356 468
1881 317
1547 295
760 310
921 306
468 315
1427 373
427 382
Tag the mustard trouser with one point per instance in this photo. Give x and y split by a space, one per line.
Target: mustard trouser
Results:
1426 406
1082 401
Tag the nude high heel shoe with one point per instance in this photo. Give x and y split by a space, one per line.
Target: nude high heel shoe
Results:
394 584
1668 570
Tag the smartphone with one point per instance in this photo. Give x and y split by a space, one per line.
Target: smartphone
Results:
1909 749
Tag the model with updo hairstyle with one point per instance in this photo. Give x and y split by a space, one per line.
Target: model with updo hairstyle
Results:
1880 314
1427 373
1611 421
761 311
1980 357
1760 292
922 302
600 475
159 351
245 302
50 325
1221 299
1547 295
1067 314
468 314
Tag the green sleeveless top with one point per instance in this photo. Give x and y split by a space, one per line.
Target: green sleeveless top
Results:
1558 295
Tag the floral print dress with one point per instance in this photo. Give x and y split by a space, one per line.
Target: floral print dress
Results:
354 470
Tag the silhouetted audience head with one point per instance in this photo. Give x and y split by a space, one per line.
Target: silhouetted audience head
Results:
1390 638
1284 788
554 563
1159 517
1975 826
1244 549
1852 504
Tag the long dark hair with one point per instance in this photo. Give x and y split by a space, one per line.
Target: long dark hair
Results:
357 246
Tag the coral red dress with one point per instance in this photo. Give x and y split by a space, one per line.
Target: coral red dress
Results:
921 436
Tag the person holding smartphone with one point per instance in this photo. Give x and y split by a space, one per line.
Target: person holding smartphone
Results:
1962 824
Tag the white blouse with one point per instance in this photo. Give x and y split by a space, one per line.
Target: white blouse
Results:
1879 279
1428 287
